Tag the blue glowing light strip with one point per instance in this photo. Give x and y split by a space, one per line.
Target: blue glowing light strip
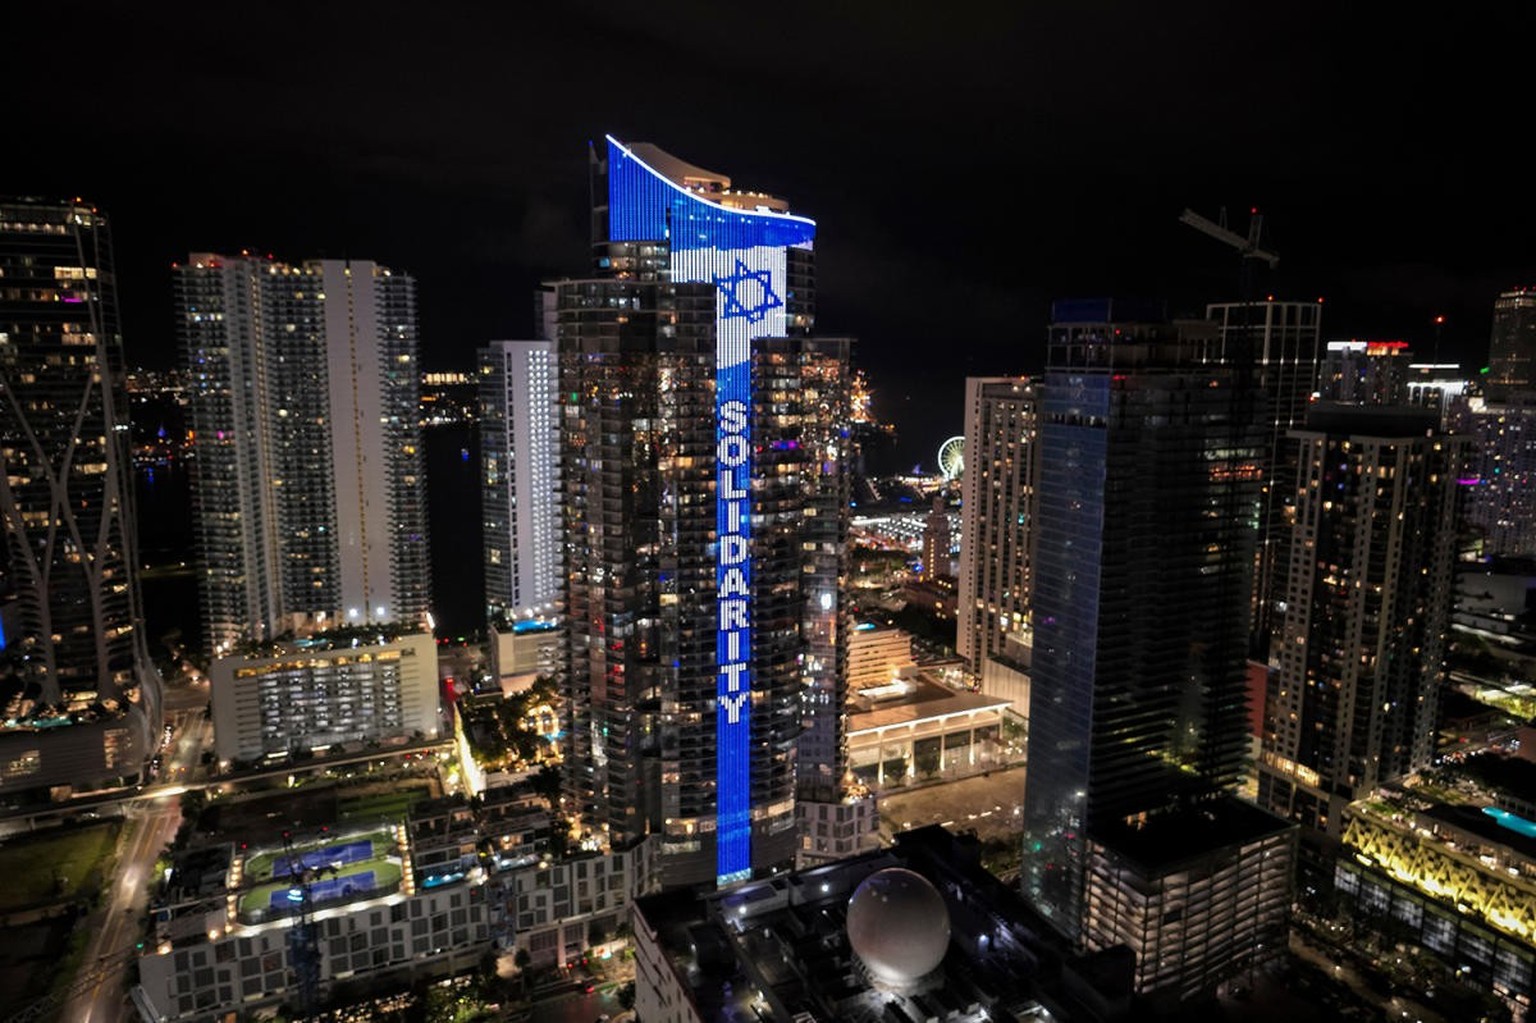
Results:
641 199
743 254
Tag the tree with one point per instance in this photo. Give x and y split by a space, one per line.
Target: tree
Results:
547 783
928 761
627 996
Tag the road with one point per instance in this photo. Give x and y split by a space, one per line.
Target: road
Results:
116 928
577 1008
151 823
151 818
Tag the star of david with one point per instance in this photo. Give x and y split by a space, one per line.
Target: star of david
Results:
747 293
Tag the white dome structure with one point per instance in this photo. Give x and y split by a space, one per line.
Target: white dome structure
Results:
898 926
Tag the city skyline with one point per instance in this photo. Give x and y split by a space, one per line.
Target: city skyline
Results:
1361 142
619 671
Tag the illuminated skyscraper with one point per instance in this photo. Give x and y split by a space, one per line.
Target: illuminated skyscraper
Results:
520 454
704 513
1150 453
997 512
1279 342
81 700
1501 473
936 542
1358 654
1365 373
309 482
1512 349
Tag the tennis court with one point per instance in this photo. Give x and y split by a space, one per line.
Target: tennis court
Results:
314 859
325 890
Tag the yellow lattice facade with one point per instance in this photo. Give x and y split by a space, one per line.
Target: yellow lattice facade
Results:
1505 903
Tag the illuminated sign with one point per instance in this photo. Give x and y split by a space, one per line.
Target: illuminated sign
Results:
743 254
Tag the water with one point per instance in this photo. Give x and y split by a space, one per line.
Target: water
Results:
163 497
1519 825
453 517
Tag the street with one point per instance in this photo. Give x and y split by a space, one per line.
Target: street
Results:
150 825
578 1008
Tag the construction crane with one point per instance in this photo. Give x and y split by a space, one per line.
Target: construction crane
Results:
1247 247
303 936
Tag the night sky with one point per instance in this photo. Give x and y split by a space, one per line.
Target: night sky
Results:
965 165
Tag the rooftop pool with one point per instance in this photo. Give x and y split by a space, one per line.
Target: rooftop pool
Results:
1519 825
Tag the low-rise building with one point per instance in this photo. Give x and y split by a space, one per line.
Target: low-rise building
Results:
523 650
915 726
1449 869
916 932
314 693
1198 896
231 951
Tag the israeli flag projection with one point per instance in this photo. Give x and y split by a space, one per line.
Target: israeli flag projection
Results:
743 254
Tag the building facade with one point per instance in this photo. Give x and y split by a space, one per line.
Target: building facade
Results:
75 654
997 510
214 961
1501 474
936 543
1281 342
520 454
317 696
1365 373
1512 348
704 515
309 481
1197 899
1358 657
1151 451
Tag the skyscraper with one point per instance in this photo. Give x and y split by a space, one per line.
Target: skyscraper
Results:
936 542
1501 471
997 511
1512 348
1280 343
701 445
78 655
520 453
1365 373
309 482
1358 655
1150 453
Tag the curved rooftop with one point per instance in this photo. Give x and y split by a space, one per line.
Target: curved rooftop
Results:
654 196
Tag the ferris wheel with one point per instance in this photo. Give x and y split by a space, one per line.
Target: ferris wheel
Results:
952 458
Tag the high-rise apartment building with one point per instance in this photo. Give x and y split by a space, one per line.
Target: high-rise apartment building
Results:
520 454
1358 655
997 511
1366 373
296 699
937 543
81 699
1150 467
1501 474
703 452
309 483
1280 343
1512 348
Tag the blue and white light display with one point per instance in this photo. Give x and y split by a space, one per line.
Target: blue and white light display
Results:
743 254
